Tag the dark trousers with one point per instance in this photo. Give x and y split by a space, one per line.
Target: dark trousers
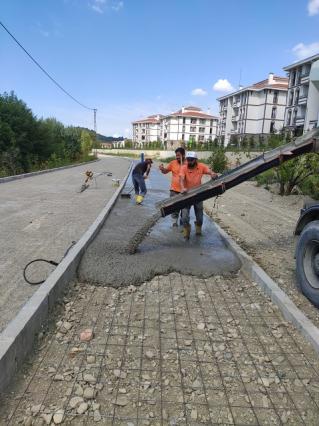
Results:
139 184
199 212
175 214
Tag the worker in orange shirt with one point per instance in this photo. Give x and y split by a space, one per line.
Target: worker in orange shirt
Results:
190 177
174 167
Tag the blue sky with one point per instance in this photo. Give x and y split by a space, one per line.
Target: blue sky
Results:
132 58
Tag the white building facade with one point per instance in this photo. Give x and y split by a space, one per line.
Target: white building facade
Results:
189 124
147 130
302 110
254 110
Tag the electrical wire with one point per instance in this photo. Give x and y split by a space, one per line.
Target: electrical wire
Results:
44 71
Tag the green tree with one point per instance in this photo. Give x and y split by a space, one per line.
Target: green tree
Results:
218 160
86 143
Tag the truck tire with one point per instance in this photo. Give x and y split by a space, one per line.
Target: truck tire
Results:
307 262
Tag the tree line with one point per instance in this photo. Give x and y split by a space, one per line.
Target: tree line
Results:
28 143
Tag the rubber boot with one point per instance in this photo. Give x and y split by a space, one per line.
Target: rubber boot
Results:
139 199
198 229
186 231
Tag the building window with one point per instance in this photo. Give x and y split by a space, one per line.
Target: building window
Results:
275 99
210 130
184 120
192 138
297 97
193 120
291 97
272 127
289 118
201 138
202 121
193 129
201 130
143 138
273 112
183 136
183 129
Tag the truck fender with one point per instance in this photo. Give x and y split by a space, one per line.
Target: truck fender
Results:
307 216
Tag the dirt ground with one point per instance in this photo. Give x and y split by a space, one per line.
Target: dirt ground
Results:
263 224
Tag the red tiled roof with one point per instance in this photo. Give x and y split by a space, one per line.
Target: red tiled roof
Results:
192 114
278 82
151 119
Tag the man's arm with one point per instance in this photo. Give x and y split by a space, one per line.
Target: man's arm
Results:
163 169
147 171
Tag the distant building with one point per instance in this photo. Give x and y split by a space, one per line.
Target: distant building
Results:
147 130
254 110
302 108
189 124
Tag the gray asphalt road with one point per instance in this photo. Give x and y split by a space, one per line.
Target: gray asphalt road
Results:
40 216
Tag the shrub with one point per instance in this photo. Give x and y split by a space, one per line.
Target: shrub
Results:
218 160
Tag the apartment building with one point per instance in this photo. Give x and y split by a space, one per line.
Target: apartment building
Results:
189 124
181 127
302 110
147 130
258 109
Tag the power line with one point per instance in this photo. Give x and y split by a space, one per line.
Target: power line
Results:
43 70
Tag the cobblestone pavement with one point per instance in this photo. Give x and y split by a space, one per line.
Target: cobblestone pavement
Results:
175 351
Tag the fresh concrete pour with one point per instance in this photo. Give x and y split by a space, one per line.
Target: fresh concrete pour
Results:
135 244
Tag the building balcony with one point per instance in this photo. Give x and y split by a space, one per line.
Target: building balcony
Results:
303 99
234 131
236 104
304 78
300 119
235 118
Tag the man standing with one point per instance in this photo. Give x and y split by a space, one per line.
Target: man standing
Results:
191 177
175 167
139 174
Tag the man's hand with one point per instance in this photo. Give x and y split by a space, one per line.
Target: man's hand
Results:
183 191
215 175
161 167
145 177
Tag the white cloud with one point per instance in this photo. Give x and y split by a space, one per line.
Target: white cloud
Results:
199 92
302 51
313 7
223 85
100 6
117 5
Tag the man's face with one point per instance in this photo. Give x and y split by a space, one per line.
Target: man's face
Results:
191 162
179 157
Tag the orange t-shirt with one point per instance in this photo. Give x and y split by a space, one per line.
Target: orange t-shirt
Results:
175 167
193 177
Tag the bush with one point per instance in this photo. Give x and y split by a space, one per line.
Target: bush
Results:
267 178
218 161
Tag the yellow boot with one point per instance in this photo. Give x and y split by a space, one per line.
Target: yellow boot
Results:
186 231
198 229
139 199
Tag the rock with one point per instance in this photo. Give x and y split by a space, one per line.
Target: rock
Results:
99 386
90 359
75 401
121 401
196 384
28 421
88 393
89 378
58 377
97 416
78 390
86 335
58 417
36 408
47 418
194 414
201 326
95 406
188 342
122 390
51 370
82 408
119 374
149 354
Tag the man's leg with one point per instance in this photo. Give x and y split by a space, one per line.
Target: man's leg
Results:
136 185
142 185
199 213
174 215
186 224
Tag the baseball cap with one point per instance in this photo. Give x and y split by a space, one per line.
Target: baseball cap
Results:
191 154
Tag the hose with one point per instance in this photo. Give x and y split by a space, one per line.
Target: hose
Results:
51 262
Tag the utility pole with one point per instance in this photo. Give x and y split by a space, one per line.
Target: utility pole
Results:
95 143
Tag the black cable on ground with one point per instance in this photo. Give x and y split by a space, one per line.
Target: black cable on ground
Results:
51 262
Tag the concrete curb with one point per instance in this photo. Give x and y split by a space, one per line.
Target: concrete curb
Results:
289 310
41 172
16 340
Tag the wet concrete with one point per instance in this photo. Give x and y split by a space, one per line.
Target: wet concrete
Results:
135 244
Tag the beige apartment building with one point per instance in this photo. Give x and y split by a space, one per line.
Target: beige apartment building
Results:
147 130
258 109
181 127
302 109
